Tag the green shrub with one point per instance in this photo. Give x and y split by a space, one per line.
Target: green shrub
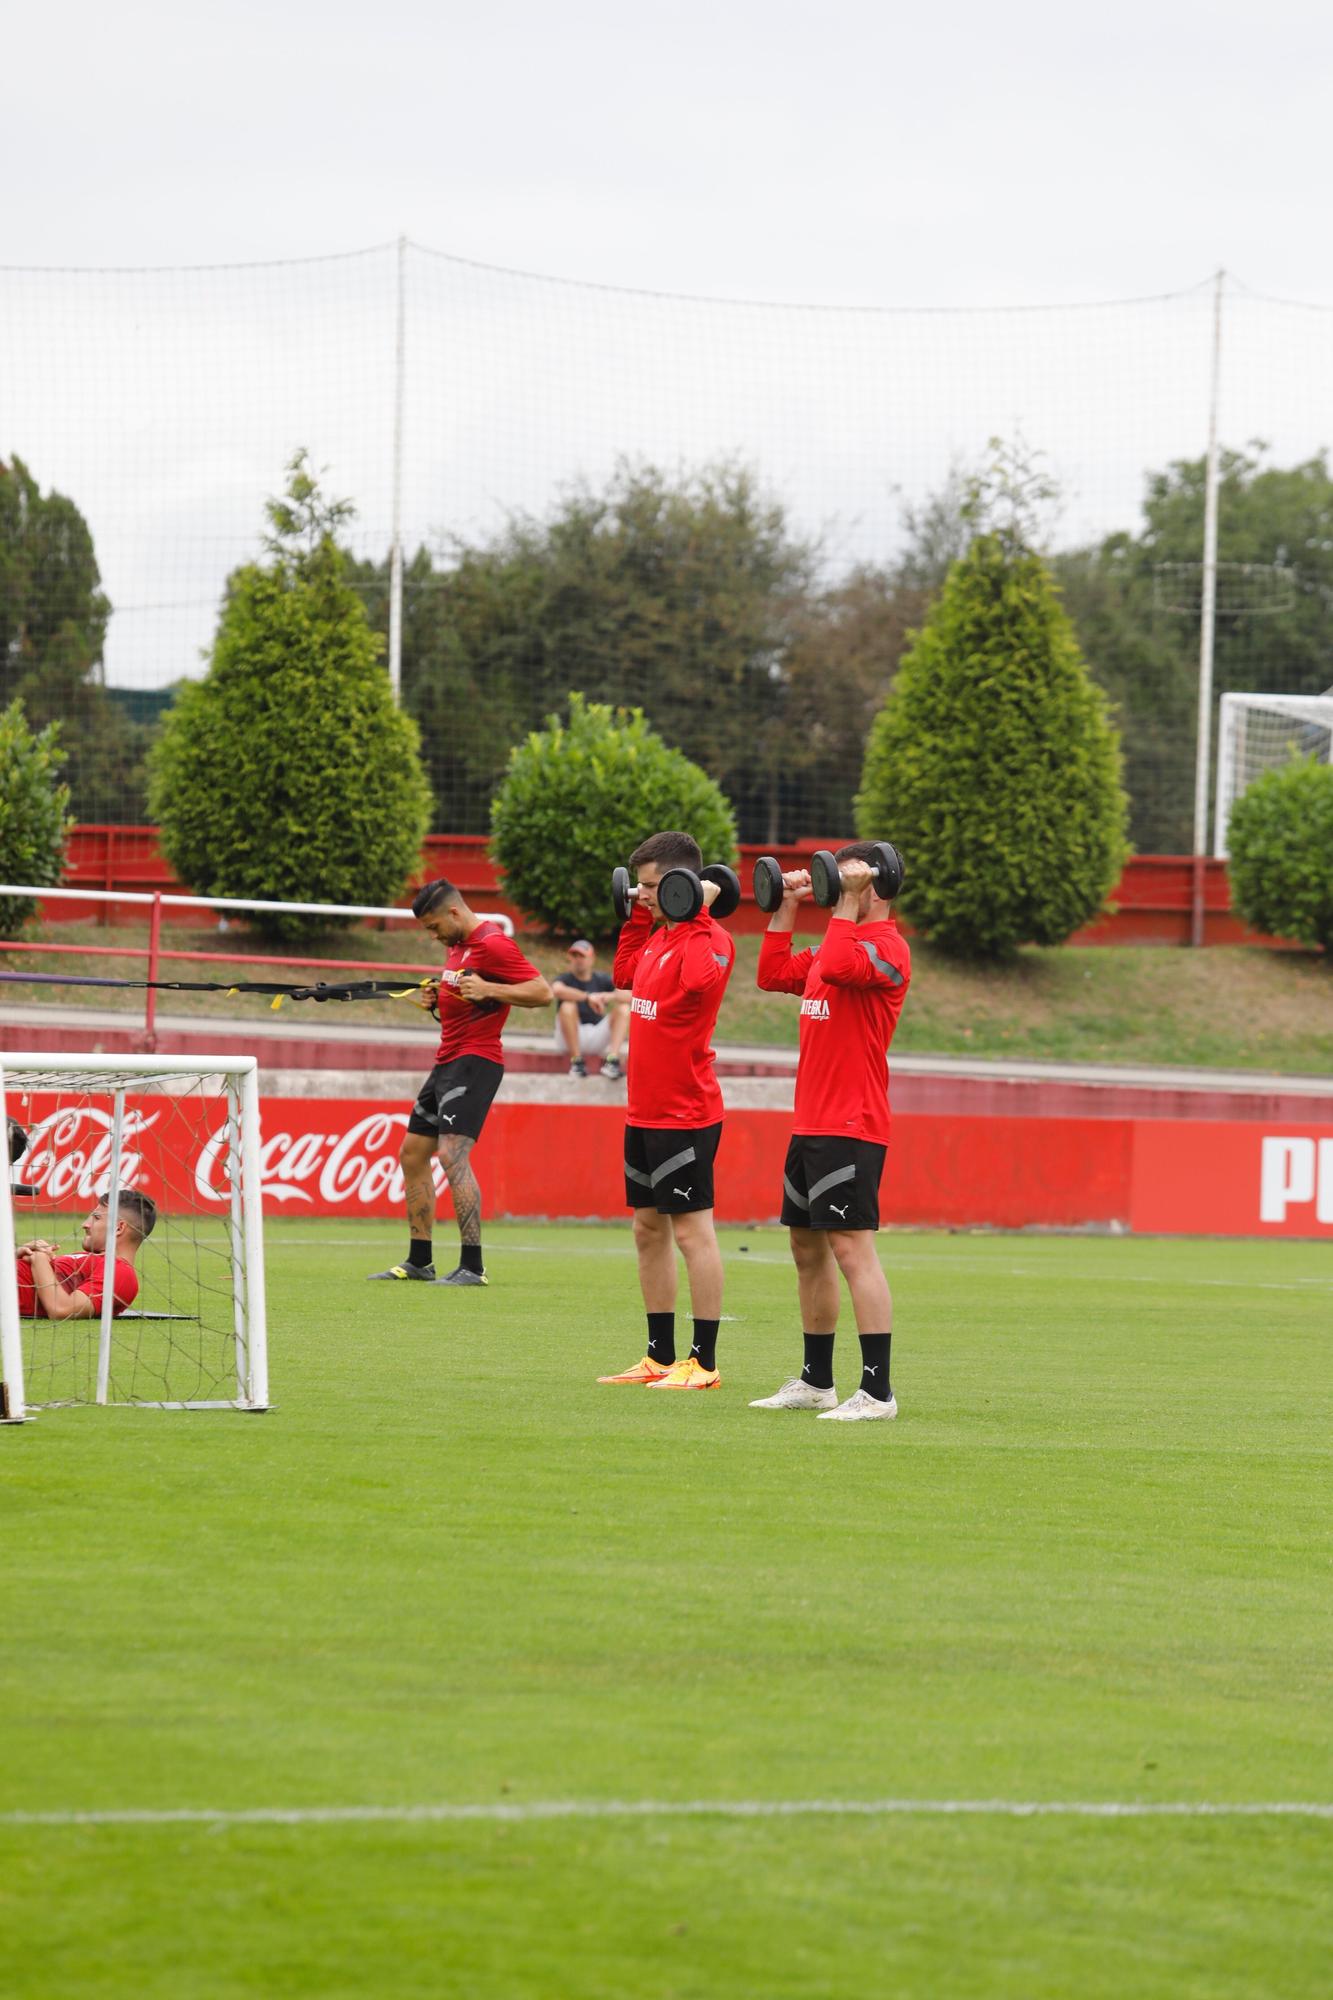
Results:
34 823
578 797
994 765
1281 842
288 773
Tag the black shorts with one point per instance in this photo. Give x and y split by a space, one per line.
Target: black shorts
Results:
831 1183
455 1098
670 1171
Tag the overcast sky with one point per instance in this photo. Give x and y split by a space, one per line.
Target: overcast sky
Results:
840 154
849 151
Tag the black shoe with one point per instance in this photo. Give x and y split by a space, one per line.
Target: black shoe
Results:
578 1067
611 1070
424 1273
462 1276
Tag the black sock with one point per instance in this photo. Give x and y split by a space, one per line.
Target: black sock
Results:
469 1257
704 1347
875 1365
662 1338
818 1370
419 1252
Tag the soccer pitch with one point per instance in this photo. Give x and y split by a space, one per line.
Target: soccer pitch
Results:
450 1580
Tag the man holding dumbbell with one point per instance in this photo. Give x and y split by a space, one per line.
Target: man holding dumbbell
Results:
852 989
677 974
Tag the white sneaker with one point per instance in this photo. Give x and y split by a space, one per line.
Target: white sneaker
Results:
860 1406
797 1395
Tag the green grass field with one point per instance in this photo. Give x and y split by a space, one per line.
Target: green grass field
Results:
1090 1562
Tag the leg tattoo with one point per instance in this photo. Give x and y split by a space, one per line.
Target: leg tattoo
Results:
463 1186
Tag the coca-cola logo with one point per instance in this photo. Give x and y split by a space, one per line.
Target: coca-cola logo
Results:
69 1152
333 1169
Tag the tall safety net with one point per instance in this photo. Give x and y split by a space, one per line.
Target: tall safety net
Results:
182 1324
484 409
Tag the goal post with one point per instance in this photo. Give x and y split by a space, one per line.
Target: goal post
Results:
1263 732
188 1329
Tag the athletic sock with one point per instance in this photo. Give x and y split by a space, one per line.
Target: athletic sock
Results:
704 1347
818 1370
662 1338
419 1252
875 1365
469 1257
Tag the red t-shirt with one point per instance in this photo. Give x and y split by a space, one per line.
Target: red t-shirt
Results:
85 1273
678 974
853 986
470 1027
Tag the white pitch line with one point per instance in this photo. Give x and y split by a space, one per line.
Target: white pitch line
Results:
538 1810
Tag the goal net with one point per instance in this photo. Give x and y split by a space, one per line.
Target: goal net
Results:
181 1325
1263 732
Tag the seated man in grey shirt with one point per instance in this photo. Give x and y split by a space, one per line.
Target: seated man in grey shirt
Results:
591 1017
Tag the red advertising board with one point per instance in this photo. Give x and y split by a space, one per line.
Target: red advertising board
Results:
326 1156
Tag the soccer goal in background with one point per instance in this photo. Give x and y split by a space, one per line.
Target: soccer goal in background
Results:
184 1131
1263 732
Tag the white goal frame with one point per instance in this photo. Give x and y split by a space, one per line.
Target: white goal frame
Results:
1236 710
240 1075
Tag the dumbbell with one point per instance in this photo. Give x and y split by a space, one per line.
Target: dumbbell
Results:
826 877
680 893
768 889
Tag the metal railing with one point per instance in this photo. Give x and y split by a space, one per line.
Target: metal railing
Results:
156 954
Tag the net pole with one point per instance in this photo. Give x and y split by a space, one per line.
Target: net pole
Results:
237 1225
252 1209
109 1253
396 547
1207 627
12 1406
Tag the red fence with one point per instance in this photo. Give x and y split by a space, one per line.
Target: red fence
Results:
1152 901
339 1157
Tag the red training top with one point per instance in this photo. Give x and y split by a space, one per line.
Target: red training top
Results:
678 974
472 1027
85 1273
853 987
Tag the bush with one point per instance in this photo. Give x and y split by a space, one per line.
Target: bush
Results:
994 766
1281 841
579 797
288 773
34 822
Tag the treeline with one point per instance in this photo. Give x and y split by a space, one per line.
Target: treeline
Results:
696 600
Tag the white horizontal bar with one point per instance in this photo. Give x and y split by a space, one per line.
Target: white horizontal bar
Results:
48 1060
226 903
562 1809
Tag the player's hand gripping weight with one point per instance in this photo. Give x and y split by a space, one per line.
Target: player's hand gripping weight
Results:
681 894
886 872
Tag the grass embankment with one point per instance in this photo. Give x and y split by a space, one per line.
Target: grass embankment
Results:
1231 1007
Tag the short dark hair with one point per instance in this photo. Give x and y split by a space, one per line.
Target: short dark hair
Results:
864 850
430 896
668 850
139 1210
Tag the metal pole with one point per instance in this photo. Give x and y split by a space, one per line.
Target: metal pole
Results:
396 547
148 1040
1207 625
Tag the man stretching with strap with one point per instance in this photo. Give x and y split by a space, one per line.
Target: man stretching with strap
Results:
852 989
485 974
678 975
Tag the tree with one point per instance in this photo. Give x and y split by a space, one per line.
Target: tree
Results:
53 621
993 764
34 823
577 799
1281 853
287 773
691 599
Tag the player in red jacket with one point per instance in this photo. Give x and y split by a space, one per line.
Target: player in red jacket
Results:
852 989
52 1286
678 974
485 974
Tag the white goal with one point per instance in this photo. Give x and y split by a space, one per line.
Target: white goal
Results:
1263 732
184 1328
